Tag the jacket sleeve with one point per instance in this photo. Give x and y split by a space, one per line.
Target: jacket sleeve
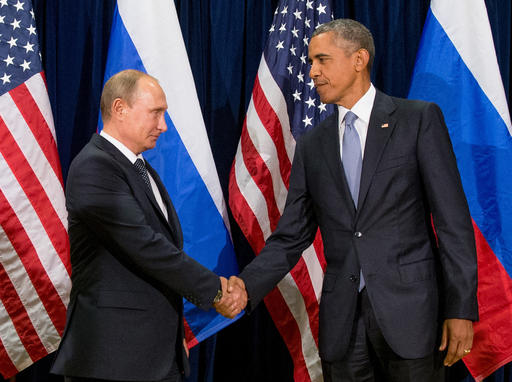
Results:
451 217
294 233
100 198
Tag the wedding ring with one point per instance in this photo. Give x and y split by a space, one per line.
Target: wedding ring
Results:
467 351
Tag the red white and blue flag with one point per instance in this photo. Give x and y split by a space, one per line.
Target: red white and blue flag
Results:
283 106
34 247
457 68
148 38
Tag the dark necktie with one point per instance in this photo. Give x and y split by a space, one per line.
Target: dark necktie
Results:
352 163
141 167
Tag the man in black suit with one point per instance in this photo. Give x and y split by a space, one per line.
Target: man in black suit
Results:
129 271
373 177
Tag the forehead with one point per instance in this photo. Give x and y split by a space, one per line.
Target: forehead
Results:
149 90
325 44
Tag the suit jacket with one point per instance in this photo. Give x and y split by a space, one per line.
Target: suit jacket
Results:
129 272
413 278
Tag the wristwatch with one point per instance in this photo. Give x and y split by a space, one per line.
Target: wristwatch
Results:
218 297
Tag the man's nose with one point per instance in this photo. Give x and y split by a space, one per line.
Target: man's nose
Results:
162 125
313 71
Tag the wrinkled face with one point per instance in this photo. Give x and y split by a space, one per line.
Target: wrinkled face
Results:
332 70
143 121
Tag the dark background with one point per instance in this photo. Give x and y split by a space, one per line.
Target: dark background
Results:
224 40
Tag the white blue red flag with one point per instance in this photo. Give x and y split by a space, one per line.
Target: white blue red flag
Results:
457 68
283 106
147 37
34 248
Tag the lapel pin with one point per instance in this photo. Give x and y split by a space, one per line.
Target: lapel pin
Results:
384 125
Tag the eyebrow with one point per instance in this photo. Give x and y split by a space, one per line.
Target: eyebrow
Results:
319 55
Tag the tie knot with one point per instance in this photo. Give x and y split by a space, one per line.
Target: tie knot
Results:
141 166
350 118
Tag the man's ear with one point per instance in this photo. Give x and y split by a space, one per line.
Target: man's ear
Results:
118 108
362 59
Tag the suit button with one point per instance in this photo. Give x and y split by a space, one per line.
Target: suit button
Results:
353 278
358 234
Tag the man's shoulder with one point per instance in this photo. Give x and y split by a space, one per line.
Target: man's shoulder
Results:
97 155
404 105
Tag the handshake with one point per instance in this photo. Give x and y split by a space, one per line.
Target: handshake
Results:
234 297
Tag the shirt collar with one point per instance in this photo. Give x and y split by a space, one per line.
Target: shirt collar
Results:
125 150
363 107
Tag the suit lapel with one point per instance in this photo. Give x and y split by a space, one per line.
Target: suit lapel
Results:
173 220
380 128
330 149
136 181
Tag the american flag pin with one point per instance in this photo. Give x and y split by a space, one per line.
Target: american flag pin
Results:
384 125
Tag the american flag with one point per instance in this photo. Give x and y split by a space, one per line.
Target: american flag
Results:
34 248
283 106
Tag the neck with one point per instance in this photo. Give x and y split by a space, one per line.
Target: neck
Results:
114 133
357 91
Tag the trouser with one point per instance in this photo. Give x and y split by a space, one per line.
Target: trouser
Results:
369 358
174 376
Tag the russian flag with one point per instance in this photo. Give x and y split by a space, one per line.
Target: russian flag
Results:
456 68
146 36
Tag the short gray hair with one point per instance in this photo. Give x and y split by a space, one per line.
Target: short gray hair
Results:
121 85
352 32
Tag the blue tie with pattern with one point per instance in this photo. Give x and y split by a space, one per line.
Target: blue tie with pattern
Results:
352 163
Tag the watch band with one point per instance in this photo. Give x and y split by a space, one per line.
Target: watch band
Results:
218 297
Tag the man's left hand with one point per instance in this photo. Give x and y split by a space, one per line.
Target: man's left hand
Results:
457 338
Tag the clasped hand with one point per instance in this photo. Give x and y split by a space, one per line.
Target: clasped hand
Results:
234 297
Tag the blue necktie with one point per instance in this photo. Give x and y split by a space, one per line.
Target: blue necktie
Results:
352 163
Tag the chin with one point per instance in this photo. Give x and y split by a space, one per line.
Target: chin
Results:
326 100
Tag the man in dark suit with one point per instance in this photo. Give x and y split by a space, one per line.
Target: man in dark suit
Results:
373 177
129 271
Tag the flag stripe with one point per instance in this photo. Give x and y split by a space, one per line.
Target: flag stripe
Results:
271 123
257 204
37 87
275 97
20 317
31 150
289 330
39 200
189 335
18 210
260 173
6 364
308 276
30 147
13 356
302 304
21 263
37 124
243 212
319 248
